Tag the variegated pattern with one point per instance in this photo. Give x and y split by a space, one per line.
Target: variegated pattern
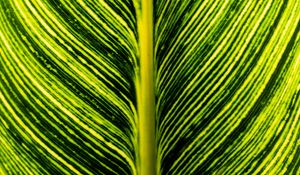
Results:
68 73
228 86
74 96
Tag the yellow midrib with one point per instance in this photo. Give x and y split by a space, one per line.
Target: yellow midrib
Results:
145 92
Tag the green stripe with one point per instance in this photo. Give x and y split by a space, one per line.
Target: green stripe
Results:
227 77
77 94
68 73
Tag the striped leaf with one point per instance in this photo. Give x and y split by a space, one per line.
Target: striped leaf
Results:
228 86
68 75
77 93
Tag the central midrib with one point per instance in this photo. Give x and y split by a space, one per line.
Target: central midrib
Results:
145 92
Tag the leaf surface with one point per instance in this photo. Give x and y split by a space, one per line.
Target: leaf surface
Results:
227 86
68 80
77 97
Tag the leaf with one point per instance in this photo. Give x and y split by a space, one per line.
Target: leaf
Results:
68 72
78 81
227 86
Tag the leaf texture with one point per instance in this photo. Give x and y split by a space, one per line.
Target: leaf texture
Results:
227 86
67 86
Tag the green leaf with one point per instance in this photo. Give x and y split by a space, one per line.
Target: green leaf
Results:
227 87
68 72
149 87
